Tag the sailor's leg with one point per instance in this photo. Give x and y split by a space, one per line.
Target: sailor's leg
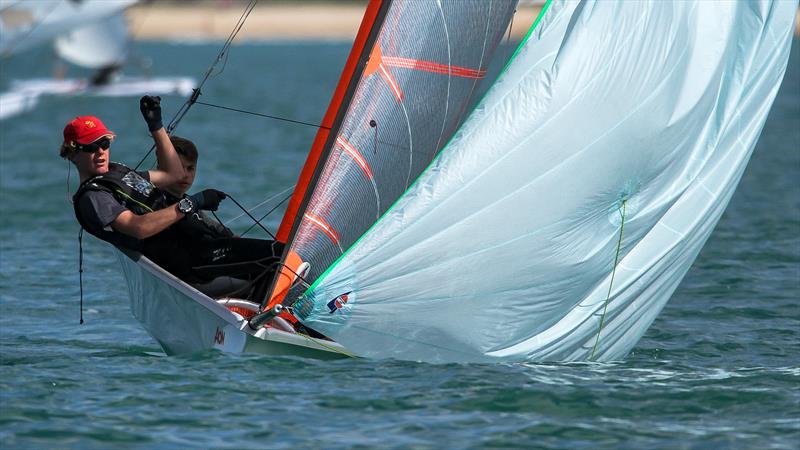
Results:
251 259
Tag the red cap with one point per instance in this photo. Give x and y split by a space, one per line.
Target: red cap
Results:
85 130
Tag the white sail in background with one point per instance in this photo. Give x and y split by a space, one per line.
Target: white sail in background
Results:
25 24
89 33
96 45
635 115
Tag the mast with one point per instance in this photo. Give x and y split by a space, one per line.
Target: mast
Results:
326 135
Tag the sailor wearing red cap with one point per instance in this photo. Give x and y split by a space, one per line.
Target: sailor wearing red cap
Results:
129 209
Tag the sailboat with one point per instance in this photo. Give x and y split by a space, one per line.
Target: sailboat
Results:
92 34
551 222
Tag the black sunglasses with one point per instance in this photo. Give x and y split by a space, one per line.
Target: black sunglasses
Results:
103 143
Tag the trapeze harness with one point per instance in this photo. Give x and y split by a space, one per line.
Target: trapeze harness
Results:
140 196
131 190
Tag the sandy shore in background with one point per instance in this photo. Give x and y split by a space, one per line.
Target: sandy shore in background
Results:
316 21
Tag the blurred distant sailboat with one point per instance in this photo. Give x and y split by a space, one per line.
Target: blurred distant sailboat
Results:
88 33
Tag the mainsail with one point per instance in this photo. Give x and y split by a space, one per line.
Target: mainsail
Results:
407 85
570 204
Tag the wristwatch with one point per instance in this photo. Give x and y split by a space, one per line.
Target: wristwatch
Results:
186 205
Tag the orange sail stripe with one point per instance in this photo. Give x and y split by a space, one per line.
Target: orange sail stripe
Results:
327 122
375 64
350 150
392 82
429 66
323 226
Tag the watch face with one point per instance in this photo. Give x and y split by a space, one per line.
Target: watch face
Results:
185 205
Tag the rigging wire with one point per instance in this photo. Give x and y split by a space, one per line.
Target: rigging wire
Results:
288 189
221 56
80 268
257 222
267 214
268 116
611 283
69 172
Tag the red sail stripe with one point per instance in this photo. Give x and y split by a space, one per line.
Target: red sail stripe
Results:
392 82
444 70
430 66
324 226
350 150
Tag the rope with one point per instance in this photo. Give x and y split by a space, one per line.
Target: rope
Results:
290 188
69 171
80 268
613 272
222 55
257 222
268 116
267 213
374 125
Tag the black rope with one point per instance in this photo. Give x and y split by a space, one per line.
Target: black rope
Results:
213 213
80 268
268 116
273 268
223 54
268 212
374 125
251 216
510 27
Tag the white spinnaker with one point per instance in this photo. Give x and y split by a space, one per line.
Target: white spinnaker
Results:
503 250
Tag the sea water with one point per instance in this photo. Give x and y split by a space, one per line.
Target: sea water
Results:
719 368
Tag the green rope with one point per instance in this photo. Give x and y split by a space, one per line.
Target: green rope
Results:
134 200
613 272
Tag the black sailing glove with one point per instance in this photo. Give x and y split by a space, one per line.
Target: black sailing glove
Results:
151 111
207 200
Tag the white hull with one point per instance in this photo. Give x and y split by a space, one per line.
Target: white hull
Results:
24 94
184 320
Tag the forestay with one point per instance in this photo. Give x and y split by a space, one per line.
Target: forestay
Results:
631 119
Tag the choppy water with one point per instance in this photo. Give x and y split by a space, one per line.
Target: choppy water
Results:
719 368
